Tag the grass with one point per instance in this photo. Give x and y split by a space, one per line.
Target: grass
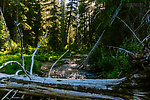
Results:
12 68
49 56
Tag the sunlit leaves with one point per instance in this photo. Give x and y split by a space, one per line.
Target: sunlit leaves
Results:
26 26
24 17
26 9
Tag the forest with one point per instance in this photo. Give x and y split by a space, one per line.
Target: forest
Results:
74 45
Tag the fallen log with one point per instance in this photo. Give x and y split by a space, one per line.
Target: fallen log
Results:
62 88
135 86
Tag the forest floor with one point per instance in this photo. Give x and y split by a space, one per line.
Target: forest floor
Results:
68 68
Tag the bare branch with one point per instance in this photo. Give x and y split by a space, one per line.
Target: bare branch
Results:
130 29
31 68
14 94
144 16
18 72
10 62
121 49
85 62
7 94
21 36
18 64
147 37
115 14
95 46
142 21
56 62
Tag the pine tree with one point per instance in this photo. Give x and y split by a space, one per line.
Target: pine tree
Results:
54 28
63 26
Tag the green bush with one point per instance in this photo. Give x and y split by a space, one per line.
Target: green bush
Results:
112 66
107 64
131 45
97 60
103 63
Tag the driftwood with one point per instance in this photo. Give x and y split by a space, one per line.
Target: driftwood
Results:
63 88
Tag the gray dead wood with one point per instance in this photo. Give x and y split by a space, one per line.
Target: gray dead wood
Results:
64 88
122 49
10 62
56 62
31 68
98 41
130 30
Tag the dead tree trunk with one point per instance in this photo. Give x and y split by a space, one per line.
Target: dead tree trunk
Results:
98 41
64 88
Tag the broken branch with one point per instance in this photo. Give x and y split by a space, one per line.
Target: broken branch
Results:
21 36
85 62
31 68
121 49
18 72
18 64
144 16
14 94
130 30
7 94
147 37
56 62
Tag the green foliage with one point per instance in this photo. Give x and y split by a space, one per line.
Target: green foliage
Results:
126 0
36 67
12 68
107 64
112 66
101 62
131 45
15 48
2 37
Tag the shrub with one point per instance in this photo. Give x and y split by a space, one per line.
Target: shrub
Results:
36 67
112 66
107 64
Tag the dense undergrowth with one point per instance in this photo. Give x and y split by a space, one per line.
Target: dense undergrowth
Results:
113 63
106 62
39 57
42 55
